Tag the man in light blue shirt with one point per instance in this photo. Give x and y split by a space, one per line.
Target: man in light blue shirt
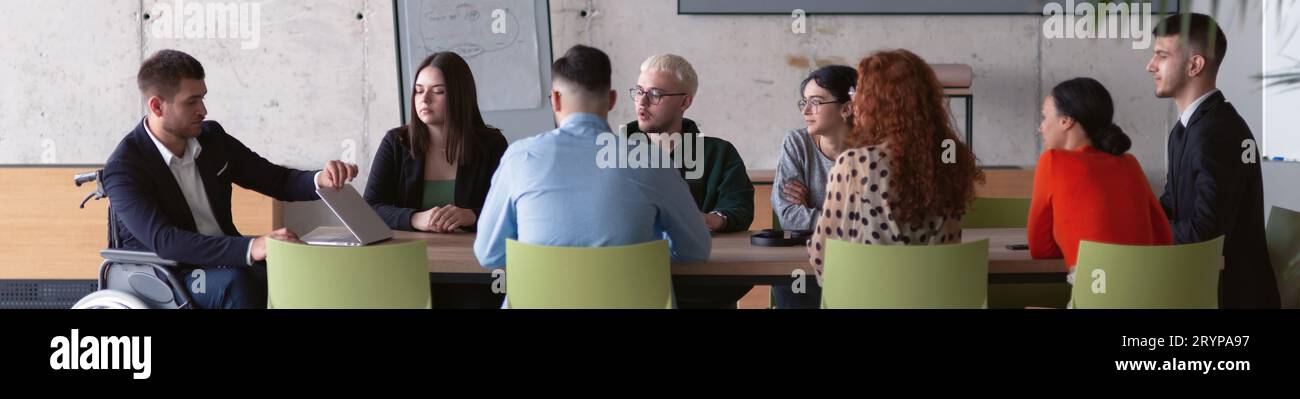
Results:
551 190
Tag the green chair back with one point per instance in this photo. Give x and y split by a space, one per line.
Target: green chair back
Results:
860 276
391 275
1110 276
1284 250
624 277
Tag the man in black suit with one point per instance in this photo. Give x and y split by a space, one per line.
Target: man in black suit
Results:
169 183
1214 187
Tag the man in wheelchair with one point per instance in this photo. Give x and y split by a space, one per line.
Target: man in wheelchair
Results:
170 179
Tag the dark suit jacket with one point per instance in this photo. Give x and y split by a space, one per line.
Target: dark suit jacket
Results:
152 212
1212 191
396 186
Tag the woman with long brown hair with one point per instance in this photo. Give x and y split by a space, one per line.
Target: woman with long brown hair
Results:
906 179
433 174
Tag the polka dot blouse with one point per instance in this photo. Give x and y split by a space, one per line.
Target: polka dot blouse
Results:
857 209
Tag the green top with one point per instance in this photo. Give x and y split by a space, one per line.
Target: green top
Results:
724 185
438 193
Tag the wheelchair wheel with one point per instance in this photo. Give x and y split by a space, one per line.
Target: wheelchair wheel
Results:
110 299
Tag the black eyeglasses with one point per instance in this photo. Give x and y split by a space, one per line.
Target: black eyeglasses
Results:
803 103
656 95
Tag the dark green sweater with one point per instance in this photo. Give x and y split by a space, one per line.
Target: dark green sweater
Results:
724 185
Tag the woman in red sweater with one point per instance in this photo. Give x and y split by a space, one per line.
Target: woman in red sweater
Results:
1086 187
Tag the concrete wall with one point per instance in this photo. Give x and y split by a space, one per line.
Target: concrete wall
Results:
750 67
322 84
67 79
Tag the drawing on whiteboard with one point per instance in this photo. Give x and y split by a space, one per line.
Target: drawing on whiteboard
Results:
497 38
460 25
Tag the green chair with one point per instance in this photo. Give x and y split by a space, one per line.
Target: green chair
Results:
860 276
624 277
997 213
1110 276
1284 250
392 275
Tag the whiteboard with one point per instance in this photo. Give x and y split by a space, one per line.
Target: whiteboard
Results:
1281 138
507 44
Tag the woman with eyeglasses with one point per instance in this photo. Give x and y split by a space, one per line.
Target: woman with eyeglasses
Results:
892 186
433 174
806 155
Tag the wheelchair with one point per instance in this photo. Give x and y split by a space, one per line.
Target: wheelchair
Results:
130 279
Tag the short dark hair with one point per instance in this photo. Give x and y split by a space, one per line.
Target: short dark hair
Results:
161 74
837 79
1202 34
587 67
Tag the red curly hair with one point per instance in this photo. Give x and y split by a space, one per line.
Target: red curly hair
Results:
900 104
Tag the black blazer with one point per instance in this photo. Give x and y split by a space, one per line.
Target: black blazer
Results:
396 185
1211 191
152 212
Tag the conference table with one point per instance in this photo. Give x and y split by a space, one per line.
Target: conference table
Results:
735 261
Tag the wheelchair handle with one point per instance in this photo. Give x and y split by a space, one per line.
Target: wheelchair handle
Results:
83 178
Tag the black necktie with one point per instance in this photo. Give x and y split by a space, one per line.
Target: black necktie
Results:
1177 142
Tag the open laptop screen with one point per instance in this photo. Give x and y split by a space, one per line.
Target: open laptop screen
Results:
355 213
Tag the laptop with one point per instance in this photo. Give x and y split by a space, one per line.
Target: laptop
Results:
361 225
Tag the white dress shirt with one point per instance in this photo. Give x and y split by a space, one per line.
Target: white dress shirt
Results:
186 172
1191 109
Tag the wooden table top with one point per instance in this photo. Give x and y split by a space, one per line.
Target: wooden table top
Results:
451 258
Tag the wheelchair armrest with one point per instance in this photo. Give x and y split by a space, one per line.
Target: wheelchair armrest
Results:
151 259
121 255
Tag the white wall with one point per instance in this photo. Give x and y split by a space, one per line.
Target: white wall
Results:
1242 23
1281 53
